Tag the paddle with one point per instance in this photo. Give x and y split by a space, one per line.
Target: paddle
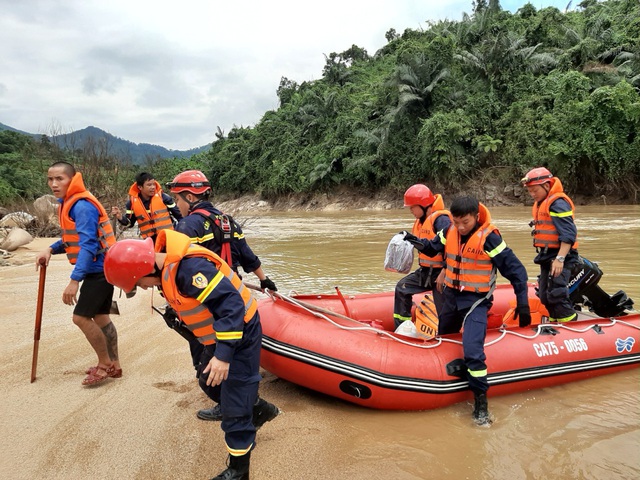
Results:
310 306
36 334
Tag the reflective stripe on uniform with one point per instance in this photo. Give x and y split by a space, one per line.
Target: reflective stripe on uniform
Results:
215 281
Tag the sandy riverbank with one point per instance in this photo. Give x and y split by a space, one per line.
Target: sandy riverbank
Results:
141 426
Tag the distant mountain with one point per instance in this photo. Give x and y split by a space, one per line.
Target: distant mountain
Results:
137 152
7 127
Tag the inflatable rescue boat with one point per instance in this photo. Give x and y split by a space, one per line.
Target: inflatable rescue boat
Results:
343 346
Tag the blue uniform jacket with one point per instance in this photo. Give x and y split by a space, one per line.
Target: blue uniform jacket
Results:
224 302
200 231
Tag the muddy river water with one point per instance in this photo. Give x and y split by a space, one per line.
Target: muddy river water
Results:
588 429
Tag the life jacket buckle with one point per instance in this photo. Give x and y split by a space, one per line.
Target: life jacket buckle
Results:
225 226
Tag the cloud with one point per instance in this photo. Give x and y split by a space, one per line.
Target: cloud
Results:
169 73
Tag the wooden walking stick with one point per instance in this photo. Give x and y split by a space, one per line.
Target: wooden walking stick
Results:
36 333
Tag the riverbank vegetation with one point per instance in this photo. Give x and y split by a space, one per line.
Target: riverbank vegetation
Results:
479 100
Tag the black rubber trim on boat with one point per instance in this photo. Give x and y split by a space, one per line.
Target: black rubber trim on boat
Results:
548 330
457 368
394 382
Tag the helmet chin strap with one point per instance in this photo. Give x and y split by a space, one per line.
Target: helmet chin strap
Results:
423 217
191 204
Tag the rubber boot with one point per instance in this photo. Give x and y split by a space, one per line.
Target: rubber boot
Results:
481 409
238 468
264 412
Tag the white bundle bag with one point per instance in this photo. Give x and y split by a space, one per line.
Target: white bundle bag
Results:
399 256
408 329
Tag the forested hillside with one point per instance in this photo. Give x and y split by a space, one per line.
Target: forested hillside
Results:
476 100
483 98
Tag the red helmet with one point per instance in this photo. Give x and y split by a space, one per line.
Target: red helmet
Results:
419 194
192 181
129 260
537 176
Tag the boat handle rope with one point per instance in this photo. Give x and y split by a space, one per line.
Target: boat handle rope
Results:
438 340
540 328
313 310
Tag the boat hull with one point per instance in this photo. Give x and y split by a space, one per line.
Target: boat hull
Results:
374 368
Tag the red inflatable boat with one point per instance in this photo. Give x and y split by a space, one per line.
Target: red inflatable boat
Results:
341 346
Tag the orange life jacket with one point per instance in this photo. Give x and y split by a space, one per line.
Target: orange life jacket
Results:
426 230
151 221
193 313
469 267
70 237
544 233
427 321
537 309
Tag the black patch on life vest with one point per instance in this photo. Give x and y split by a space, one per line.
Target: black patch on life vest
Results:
222 226
223 229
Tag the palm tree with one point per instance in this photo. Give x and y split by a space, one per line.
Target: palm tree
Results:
505 55
416 82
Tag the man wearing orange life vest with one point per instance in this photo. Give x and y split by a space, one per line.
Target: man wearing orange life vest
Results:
219 310
149 206
474 250
430 218
86 235
207 226
555 238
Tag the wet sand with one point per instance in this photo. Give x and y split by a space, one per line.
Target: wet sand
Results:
140 426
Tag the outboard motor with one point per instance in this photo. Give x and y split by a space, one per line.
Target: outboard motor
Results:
584 290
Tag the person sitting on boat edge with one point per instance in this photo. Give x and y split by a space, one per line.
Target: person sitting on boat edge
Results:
430 217
207 226
217 308
474 249
149 206
555 238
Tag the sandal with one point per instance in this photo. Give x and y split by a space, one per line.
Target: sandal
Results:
95 378
116 373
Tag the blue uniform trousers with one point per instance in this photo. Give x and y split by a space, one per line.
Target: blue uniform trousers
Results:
239 392
455 306
553 291
422 280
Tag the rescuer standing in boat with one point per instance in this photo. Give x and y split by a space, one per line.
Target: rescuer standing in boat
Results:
555 238
217 308
474 250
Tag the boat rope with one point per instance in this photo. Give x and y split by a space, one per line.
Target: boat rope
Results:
541 329
361 327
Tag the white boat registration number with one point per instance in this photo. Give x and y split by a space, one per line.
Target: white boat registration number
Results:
544 349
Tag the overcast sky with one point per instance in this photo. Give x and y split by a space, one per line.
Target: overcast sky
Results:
169 73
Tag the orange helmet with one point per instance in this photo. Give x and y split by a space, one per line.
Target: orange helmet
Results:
419 194
129 260
192 181
537 176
